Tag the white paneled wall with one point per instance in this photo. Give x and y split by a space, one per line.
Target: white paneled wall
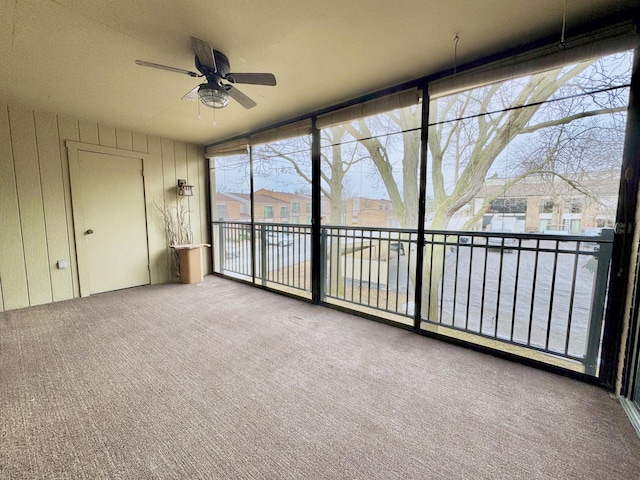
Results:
36 221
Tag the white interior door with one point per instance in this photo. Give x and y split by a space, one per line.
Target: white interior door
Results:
113 222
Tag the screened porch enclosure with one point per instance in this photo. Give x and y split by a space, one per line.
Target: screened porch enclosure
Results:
482 213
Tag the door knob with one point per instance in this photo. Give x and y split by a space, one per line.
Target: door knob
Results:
88 232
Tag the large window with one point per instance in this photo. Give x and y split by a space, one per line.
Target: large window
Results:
555 138
370 165
282 177
556 134
231 207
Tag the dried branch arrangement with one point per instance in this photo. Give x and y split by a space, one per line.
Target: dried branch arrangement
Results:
177 228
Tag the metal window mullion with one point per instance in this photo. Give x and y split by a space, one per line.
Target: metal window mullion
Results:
253 221
420 240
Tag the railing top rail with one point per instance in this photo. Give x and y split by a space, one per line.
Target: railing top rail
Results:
258 224
282 224
372 229
605 237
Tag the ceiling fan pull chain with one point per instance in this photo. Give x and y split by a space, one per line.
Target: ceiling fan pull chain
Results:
456 39
564 23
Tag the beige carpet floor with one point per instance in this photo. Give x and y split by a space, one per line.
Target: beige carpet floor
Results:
224 381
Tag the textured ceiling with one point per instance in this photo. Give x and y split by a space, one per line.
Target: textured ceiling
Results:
76 57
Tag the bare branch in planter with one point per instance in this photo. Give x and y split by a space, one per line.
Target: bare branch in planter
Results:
177 228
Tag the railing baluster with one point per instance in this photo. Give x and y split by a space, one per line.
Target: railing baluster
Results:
497 316
455 282
571 297
552 296
471 250
533 290
515 292
362 263
484 284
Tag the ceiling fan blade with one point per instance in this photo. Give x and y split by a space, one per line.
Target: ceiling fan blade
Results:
192 96
252 78
142 63
240 97
204 52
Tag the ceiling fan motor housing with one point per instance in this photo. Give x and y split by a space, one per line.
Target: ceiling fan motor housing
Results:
222 66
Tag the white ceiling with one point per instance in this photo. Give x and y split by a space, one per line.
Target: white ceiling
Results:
76 57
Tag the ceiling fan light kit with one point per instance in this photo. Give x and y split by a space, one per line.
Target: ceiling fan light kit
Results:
214 66
212 96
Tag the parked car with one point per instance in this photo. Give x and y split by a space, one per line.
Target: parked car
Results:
591 232
397 247
279 238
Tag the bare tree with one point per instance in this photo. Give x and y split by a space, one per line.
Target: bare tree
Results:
465 141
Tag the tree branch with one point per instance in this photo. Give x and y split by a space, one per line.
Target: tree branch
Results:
571 118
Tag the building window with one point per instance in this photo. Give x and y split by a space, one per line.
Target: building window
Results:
268 212
284 214
546 206
296 208
222 211
508 205
575 206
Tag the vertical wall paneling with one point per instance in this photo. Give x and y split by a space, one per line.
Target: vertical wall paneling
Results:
69 129
194 201
36 209
13 277
107 135
54 204
139 142
169 172
124 139
180 153
158 248
30 203
89 132
169 178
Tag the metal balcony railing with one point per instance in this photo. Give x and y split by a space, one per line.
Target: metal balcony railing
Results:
274 255
370 267
542 292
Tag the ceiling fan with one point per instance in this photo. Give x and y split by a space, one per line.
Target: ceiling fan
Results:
214 66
